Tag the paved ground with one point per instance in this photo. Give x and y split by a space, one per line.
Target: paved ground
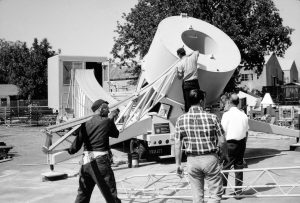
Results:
21 179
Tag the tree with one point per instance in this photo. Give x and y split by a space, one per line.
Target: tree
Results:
4 46
26 67
254 25
13 58
39 53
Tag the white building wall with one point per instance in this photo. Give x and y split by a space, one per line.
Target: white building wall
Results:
270 69
58 92
256 83
287 76
53 82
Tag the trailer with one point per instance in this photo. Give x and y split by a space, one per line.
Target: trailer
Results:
4 149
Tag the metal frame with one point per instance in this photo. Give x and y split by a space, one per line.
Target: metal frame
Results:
171 186
139 105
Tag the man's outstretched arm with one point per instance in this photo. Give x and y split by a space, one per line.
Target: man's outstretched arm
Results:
178 154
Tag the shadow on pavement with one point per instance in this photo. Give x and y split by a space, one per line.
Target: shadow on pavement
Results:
252 191
255 155
125 166
14 154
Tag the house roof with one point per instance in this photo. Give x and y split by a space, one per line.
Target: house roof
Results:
267 100
267 57
8 90
286 64
252 100
251 94
292 84
81 58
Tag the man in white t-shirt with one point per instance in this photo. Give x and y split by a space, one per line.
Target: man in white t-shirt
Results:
235 125
187 70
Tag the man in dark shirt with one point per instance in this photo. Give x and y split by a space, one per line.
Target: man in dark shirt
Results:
96 169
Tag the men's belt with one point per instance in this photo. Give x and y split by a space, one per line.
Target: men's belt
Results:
89 156
234 141
203 153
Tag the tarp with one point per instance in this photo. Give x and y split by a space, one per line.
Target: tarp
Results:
267 100
251 100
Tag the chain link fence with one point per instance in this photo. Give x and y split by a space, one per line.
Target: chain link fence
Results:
21 112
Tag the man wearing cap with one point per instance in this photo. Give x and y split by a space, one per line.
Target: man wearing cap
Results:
96 169
187 70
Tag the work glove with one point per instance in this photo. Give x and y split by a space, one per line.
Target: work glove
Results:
179 171
223 158
114 114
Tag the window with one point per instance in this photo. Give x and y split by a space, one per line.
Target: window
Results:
286 112
250 76
67 67
286 79
275 81
105 72
77 65
3 101
246 77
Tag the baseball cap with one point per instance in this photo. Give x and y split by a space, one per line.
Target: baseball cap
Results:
97 104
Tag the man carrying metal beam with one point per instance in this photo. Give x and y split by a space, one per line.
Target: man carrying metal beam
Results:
96 169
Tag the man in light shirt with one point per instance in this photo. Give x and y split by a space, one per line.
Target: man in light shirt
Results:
187 70
235 125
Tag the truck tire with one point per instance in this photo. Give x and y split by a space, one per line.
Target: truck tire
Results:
137 146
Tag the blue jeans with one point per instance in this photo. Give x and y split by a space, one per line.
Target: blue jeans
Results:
97 172
205 167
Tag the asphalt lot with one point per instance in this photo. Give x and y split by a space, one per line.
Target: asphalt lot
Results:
21 179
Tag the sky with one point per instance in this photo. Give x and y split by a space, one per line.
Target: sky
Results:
86 27
77 27
289 11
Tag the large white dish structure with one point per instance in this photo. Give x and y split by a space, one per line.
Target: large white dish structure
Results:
86 90
219 56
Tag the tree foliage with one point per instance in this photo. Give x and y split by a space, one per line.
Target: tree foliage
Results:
254 25
26 67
